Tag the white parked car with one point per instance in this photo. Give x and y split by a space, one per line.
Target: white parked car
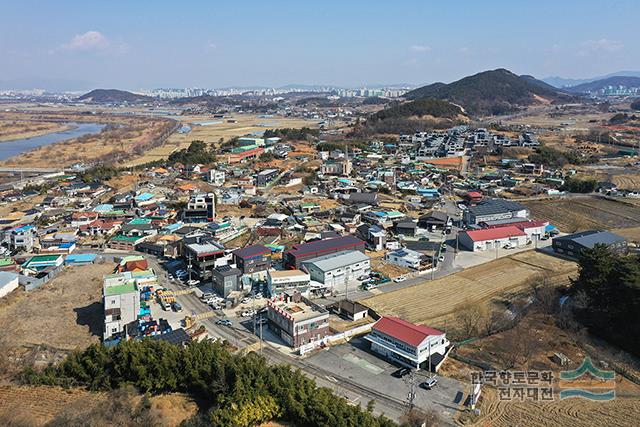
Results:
399 279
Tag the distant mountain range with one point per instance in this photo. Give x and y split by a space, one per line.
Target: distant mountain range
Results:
597 85
113 96
492 92
561 82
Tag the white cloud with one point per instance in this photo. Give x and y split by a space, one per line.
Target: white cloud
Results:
212 45
420 48
89 41
603 45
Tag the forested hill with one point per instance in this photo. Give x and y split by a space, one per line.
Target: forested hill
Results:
492 92
113 96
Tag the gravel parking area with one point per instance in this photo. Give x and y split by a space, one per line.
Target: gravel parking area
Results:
354 361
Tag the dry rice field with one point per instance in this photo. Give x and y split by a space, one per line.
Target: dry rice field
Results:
584 213
576 412
434 302
245 124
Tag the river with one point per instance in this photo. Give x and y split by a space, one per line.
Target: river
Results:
19 146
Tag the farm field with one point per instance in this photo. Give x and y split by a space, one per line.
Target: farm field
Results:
245 124
584 213
631 234
576 412
434 302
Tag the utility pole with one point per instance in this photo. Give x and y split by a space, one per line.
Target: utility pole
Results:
411 382
260 337
429 350
189 267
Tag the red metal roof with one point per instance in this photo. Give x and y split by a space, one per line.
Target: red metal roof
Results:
495 233
405 331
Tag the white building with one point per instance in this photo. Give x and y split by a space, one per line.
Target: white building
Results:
8 283
216 177
493 238
410 345
121 298
338 268
405 258
288 280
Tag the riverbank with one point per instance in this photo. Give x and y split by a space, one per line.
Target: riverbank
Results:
13 131
97 138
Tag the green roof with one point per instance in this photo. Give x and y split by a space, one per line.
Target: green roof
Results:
44 258
6 261
119 289
123 238
115 212
244 148
137 221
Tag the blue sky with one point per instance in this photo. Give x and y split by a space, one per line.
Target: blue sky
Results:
147 44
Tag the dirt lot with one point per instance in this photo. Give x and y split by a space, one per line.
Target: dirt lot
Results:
584 213
64 314
434 302
388 269
245 124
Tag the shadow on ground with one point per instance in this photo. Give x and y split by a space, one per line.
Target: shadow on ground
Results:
91 316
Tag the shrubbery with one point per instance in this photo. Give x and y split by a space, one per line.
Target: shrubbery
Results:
607 296
242 390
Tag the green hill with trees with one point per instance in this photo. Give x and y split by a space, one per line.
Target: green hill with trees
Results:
410 117
491 92
113 96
